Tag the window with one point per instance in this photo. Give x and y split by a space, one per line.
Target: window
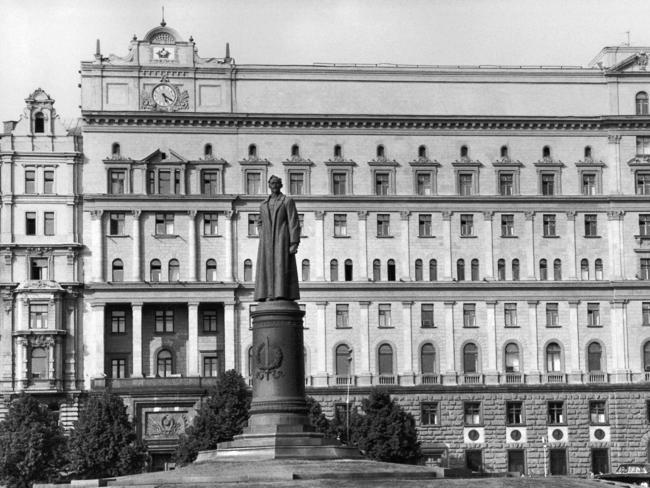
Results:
469 315
587 152
557 270
385 360
252 151
515 270
506 183
507 225
644 225
339 183
593 314
117 179
340 225
426 313
553 358
594 357
164 363
338 151
642 183
174 273
470 358
465 184
117 270
464 152
546 152
164 224
151 182
548 184
39 123
253 225
555 413
296 183
164 321
210 366
38 268
475 270
599 269
428 359
501 269
39 363
30 223
30 181
165 182
382 183
348 270
424 182
433 270
116 224
209 321
548 221
642 103
418 270
384 315
543 270
118 322
424 225
422 151
343 360
48 181
38 315
511 358
48 223
646 357
510 314
390 270
645 313
118 368
248 270
504 152
645 269
334 270
466 225
383 225
460 270
253 183
155 270
429 413
211 270
514 413
381 152
472 411
210 182
552 317
210 227
588 184
342 316
642 145
597 412
305 270
584 269
207 151
376 270
591 225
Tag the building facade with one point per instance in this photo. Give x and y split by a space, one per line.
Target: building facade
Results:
475 239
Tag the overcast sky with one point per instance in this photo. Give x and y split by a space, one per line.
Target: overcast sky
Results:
43 41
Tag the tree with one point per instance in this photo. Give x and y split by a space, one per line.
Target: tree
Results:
385 432
220 418
316 416
103 442
31 444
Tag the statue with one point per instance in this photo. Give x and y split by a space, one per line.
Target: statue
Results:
276 277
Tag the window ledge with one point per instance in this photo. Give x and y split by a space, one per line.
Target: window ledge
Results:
343 328
385 237
117 236
211 235
553 326
341 237
385 326
165 236
253 237
599 326
509 237
593 237
427 237
428 327
551 237
642 237
468 237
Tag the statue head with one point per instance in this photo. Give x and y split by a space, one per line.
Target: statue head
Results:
275 184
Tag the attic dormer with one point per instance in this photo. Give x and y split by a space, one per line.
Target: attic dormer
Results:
39 113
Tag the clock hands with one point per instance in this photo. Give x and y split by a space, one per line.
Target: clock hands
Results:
167 99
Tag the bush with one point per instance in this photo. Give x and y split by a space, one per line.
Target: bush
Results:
316 416
103 442
220 418
31 444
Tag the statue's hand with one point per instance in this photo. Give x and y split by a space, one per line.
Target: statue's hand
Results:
293 248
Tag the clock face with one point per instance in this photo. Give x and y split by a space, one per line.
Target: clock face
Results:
164 95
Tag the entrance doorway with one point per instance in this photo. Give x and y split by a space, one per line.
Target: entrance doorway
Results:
474 459
558 461
516 461
599 461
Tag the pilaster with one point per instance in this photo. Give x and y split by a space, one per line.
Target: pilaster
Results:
229 329
405 260
363 245
571 246
231 216
530 255
491 374
136 271
407 375
321 377
136 338
446 237
533 328
97 240
619 341
575 371
450 346
193 339
320 245
488 232
191 246
364 378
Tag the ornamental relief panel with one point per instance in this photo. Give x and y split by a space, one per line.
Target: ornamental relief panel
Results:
165 425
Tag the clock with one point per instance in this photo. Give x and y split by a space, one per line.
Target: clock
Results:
164 95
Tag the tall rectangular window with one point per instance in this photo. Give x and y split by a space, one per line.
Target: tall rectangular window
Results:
164 224
469 315
38 269
384 315
253 183
644 271
342 315
548 184
340 225
118 322
506 184
593 314
588 184
117 181
644 225
424 225
642 183
556 413
466 225
116 224
48 223
552 315
510 314
165 182
38 315
424 183
472 413
339 183
383 225
48 181
645 313
514 413
253 224
382 183
297 183
426 312
164 321
30 181
465 184
598 412
429 413
30 223
210 182
507 225
591 225
118 368
643 145
209 321
210 221
548 222
210 366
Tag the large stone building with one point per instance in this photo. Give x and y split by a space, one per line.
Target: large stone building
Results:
476 239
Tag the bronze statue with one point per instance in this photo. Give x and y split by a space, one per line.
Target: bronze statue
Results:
277 276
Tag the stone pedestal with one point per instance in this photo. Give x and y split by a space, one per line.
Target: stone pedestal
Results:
279 426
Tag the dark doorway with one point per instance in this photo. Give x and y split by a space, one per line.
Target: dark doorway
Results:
516 461
599 461
474 459
558 461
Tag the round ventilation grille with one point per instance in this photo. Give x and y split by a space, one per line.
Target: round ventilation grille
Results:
473 435
558 434
599 434
515 435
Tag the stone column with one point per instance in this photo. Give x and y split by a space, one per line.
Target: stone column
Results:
191 246
6 219
321 345
448 272
94 345
319 262
229 329
492 372
619 342
488 233
364 378
97 242
363 245
405 264
136 338
229 245
192 339
534 352
136 272
572 274
21 363
614 146
575 372
614 237
530 256
450 347
407 374
71 230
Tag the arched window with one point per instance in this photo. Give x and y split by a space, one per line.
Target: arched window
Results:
543 270
422 151
207 150
428 359
464 151
252 151
599 269
385 360
343 356
115 150
164 363
381 152
433 270
511 358
376 270
334 270
504 151
557 270
546 152
174 270
553 358
295 150
39 363
211 270
594 357
348 270
117 270
474 265
418 270
470 358
390 270
155 270
501 269
515 269
584 269
39 123
642 103
338 152
248 270
587 152
460 270
646 356
305 270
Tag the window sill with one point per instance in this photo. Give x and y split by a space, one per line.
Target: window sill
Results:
165 236
642 237
598 326
385 237
553 326
474 425
468 237
470 327
509 237
164 333
595 237
427 327
385 327
427 237
117 236
343 328
551 237
211 235
253 236
341 237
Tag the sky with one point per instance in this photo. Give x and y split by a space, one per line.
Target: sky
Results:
42 42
